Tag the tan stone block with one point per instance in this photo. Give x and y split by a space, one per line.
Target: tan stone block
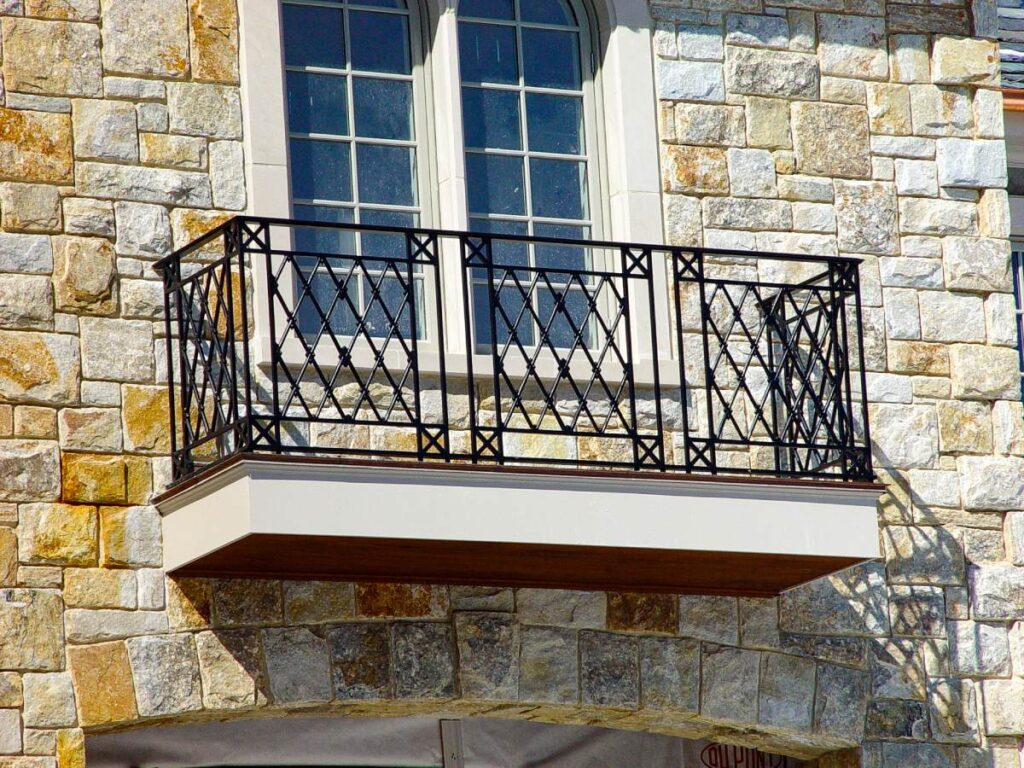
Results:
307 602
406 600
965 61
918 357
130 536
189 224
84 274
189 603
35 146
70 748
90 429
93 477
145 38
889 108
6 420
8 557
984 373
214 37
965 427
140 479
146 420
231 668
68 10
831 140
29 470
35 421
10 689
103 683
105 130
768 123
696 170
30 207
33 630
100 588
58 534
172 151
59 58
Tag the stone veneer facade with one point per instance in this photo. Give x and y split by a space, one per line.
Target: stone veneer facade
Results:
824 126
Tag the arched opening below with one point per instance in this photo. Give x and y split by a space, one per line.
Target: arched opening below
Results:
424 742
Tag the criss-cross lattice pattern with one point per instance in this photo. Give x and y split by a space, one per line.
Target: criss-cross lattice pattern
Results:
330 339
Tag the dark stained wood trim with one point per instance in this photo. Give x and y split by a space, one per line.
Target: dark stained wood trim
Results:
620 474
1013 99
277 556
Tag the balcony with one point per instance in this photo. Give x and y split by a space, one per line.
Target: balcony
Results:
363 402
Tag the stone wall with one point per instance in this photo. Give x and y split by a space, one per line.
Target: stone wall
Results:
825 126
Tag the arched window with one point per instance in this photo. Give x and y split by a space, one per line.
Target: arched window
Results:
525 90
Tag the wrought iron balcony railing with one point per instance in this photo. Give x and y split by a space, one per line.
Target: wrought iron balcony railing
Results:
354 340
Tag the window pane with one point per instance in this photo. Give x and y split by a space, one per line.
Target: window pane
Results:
317 103
504 252
383 108
324 240
551 59
313 37
512 313
546 12
558 188
487 9
562 256
487 53
380 42
554 123
495 184
381 3
386 174
383 243
326 297
387 300
566 316
321 170
490 118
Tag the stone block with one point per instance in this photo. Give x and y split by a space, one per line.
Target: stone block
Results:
35 146
917 755
57 534
1004 706
831 140
140 184
94 478
141 298
913 147
422 662
728 678
29 470
201 109
889 108
755 214
26 302
984 373
786 692
488 645
298 666
90 429
977 649
130 536
941 111
997 592
992 482
10 732
917 611
227 175
916 177
682 220
230 669
562 608
963 61
923 555
30 620
965 427
897 669
806 188
950 317
709 617
905 436
976 264
88 217
897 719
851 603
759 622
751 173
779 74
101 625
696 170
187 152
866 217
938 217
166 674
142 230
242 602
29 254
909 60
609 669
100 588
971 163
51 57
384 600
49 700
213 34
84 275
699 42
690 80
988 114
30 207
119 350
189 603
939 488
954 716
549 665
670 674
146 412
711 125
315 602
767 123
105 130
840 701
104 691
141 40
361 662
853 46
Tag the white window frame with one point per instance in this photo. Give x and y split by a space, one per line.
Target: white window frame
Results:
625 178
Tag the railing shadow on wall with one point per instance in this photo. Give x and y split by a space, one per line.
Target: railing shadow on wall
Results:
352 340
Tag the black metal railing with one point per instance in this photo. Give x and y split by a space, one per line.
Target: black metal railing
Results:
355 340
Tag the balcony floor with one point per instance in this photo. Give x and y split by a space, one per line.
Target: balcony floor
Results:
294 518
